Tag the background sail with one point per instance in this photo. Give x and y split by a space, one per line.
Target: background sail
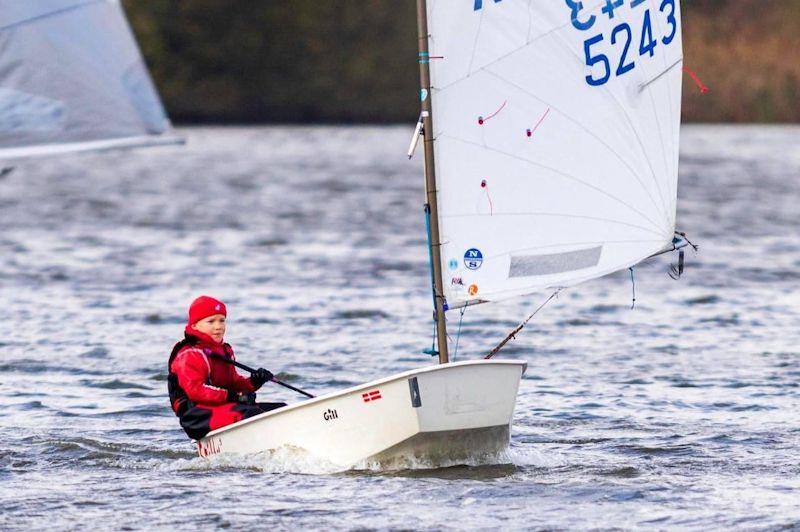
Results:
72 78
556 129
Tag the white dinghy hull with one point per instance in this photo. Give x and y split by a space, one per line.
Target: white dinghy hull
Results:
444 413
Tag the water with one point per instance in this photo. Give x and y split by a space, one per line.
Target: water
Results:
680 413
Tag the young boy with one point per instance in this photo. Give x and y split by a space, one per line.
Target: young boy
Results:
205 392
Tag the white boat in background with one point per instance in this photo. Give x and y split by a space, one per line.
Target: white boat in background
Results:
551 158
72 79
439 414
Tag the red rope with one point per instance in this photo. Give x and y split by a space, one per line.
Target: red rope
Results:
530 132
700 85
485 187
481 119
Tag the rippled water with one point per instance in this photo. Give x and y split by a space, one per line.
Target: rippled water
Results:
680 413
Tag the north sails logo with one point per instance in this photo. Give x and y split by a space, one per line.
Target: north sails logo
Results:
473 258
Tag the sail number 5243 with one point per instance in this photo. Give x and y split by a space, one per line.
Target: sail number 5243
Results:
622 38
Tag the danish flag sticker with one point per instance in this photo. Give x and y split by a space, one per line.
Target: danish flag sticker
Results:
373 395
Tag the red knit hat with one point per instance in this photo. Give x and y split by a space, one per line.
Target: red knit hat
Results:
205 306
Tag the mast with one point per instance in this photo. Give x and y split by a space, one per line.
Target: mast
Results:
431 208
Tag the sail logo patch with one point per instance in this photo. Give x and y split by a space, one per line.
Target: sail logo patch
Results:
374 395
473 259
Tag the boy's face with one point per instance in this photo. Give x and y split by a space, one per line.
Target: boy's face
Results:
214 326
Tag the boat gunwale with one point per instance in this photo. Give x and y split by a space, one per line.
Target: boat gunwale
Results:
371 384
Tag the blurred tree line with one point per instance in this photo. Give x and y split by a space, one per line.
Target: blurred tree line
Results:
355 60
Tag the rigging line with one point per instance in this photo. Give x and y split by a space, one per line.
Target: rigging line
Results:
432 351
667 70
513 333
458 334
575 216
436 318
592 135
557 172
696 79
633 289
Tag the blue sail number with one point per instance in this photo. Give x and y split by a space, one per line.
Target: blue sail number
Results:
592 60
647 45
622 33
576 8
670 19
611 6
622 67
479 4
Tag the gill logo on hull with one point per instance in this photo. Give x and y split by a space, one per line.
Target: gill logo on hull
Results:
330 414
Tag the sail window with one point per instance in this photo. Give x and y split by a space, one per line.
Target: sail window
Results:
21 112
552 263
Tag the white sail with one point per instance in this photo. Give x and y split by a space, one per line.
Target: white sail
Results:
556 129
72 78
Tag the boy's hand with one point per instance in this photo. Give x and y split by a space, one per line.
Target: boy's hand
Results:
245 398
260 377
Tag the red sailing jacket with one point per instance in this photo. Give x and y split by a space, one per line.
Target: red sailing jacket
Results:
204 379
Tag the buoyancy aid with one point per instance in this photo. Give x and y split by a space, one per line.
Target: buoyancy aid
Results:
199 378
177 397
